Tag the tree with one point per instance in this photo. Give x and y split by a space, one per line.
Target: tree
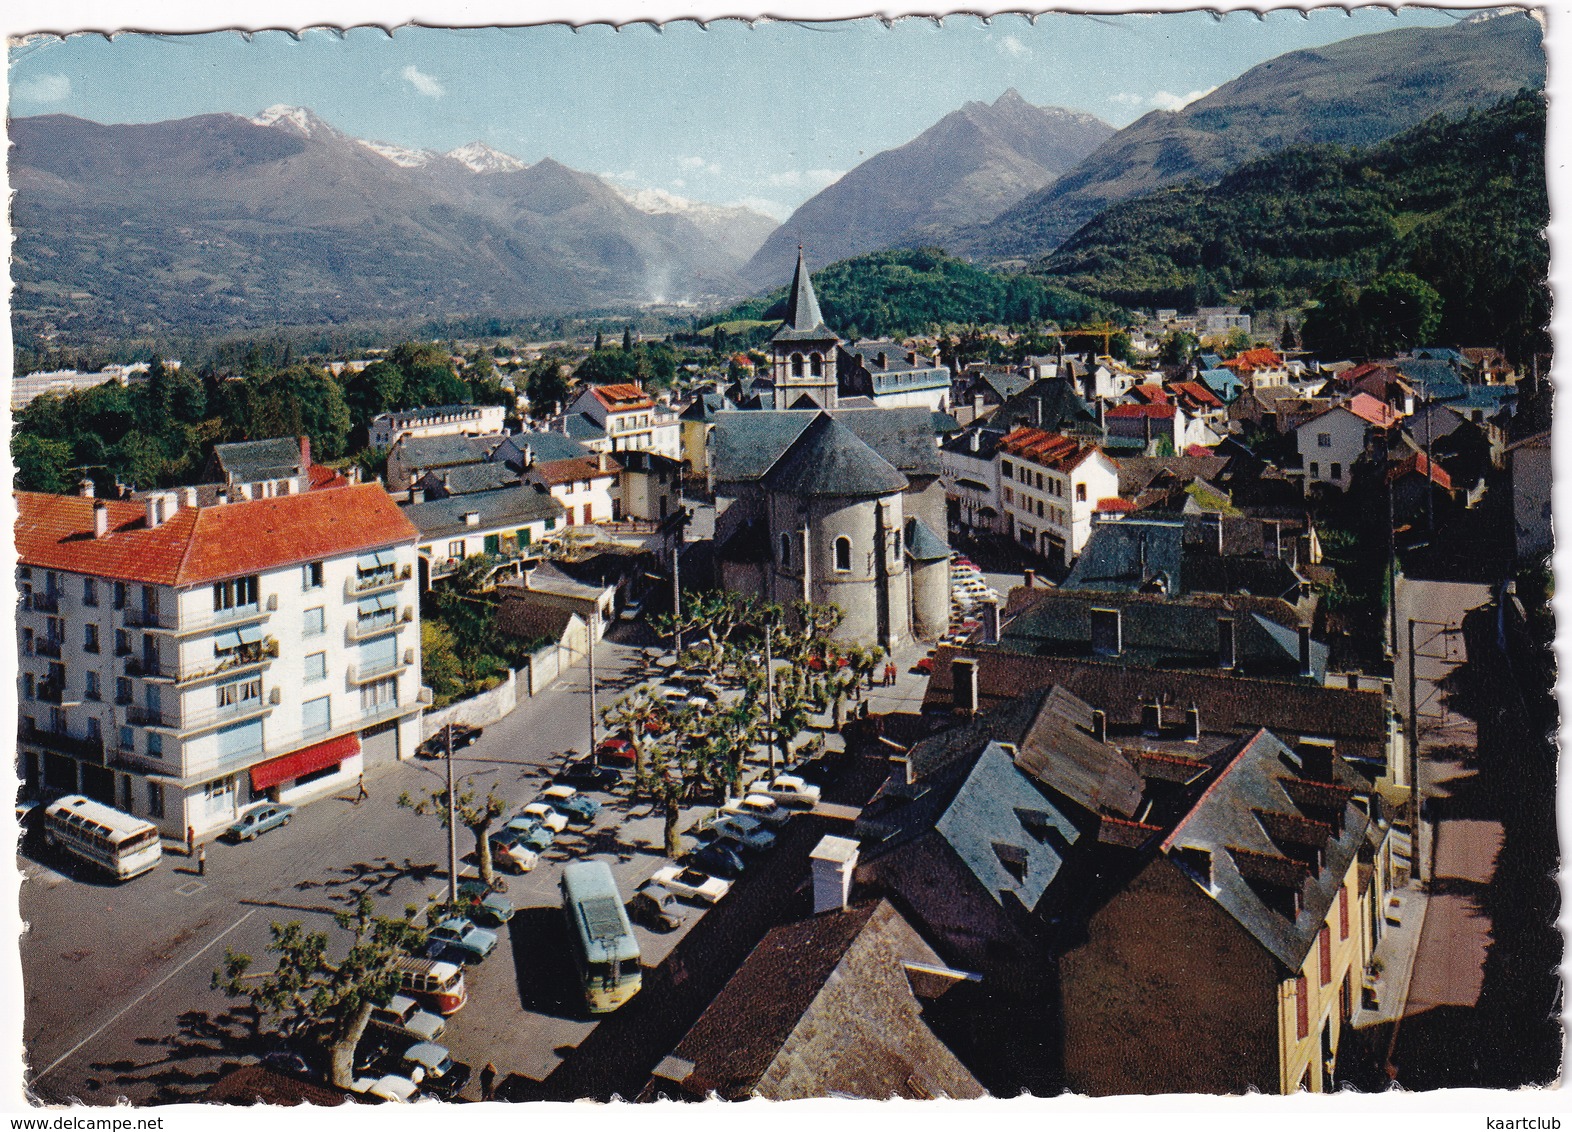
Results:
600 342
474 813
627 339
797 694
440 667
42 464
546 386
1178 347
642 719
377 389
1398 310
313 995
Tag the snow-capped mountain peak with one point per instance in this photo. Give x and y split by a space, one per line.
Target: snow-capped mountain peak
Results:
479 157
294 118
399 155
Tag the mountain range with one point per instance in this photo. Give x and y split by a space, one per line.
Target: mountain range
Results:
1353 92
968 167
223 221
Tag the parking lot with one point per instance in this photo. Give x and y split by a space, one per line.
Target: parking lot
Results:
118 995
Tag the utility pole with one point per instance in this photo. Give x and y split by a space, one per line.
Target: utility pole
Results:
593 624
452 822
769 686
1391 567
676 575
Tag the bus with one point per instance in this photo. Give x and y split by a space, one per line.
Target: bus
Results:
121 845
604 948
436 986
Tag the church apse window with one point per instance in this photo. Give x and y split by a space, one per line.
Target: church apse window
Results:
843 554
796 365
785 550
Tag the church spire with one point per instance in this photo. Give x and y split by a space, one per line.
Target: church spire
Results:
802 310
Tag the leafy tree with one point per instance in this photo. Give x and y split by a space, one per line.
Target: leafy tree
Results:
546 386
377 389
627 339
440 667
301 400
1178 348
317 997
42 464
473 812
643 719
1398 310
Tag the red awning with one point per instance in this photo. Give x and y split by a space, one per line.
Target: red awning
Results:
303 761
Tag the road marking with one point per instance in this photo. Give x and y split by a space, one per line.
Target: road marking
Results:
190 888
55 1064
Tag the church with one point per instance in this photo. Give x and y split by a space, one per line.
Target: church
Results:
830 504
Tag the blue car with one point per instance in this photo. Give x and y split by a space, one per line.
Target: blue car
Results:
570 803
260 819
528 831
483 904
459 937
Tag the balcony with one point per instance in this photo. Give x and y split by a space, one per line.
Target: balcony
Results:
144 619
43 646
49 692
198 720
140 716
381 713
376 582
63 742
365 673
234 662
365 628
44 603
211 622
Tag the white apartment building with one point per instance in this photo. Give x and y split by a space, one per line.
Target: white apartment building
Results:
180 662
630 418
1049 487
387 429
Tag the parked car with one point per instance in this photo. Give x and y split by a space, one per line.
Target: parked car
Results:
747 832
259 819
673 697
432 1067
760 806
691 883
790 790
403 1015
718 859
528 830
458 938
546 815
390 1087
586 775
485 902
436 747
633 609
570 803
510 853
657 908
614 750
924 666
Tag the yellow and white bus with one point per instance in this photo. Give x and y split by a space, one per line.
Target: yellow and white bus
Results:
604 948
121 845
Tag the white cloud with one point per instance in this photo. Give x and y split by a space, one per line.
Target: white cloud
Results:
771 208
44 88
805 178
692 162
422 82
1162 100
1012 46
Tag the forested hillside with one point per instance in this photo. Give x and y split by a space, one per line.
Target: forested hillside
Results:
1460 203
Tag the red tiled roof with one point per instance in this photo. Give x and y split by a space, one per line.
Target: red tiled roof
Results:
1114 504
196 545
624 396
1419 464
1050 449
1198 392
1132 412
1367 408
1259 358
1199 450
554 472
1151 394
323 476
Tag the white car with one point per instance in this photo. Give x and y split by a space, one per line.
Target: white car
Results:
691 883
393 1088
789 790
760 806
548 817
747 832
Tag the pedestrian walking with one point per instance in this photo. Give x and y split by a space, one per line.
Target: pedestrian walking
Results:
361 793
488 1082
190 841
202 861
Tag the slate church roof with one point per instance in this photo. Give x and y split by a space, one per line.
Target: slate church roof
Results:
803 322
829 459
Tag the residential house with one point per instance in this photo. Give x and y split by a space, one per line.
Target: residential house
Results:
1234 958
387 429
971 481
585 486
1421 489
1051 404
648 486
180 662
892 376
1225 383
521 450
1152 430
1331 441
500 522
1259 368
630 419
542 594
974 395
1221 320
412 457
1050 486
25 387
835 1004
696 422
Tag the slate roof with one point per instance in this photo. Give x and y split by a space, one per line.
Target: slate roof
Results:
1060 752
1247 821
1061 408
829 459
444 451
249 461
747 443
1437 380
803 322
543 446
922 545
706 405
1126 555
466 479
502 509
1137 473
824 1004
578 426
961 442
1005 385
205 544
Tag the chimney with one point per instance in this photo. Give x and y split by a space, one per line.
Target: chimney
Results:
1029 579
1152 718
1037 410
602 460
1277 540
85 488
833 859
417 495
1192 724
963 685
221 496
884 360
1305 666
472 518
191 496
1315 759
305 453
990 623
155 511
976 438
1219 534
1227 649
1100 725
100 519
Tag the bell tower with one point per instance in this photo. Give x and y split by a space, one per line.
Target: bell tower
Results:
802 353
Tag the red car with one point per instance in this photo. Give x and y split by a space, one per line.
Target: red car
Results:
925 666
615 750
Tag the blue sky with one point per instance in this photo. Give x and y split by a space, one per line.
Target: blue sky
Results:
765 115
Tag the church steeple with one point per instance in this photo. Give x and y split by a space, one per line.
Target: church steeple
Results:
802 309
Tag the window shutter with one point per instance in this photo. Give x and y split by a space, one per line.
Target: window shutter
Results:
1342 912
1302 1000
1324 944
